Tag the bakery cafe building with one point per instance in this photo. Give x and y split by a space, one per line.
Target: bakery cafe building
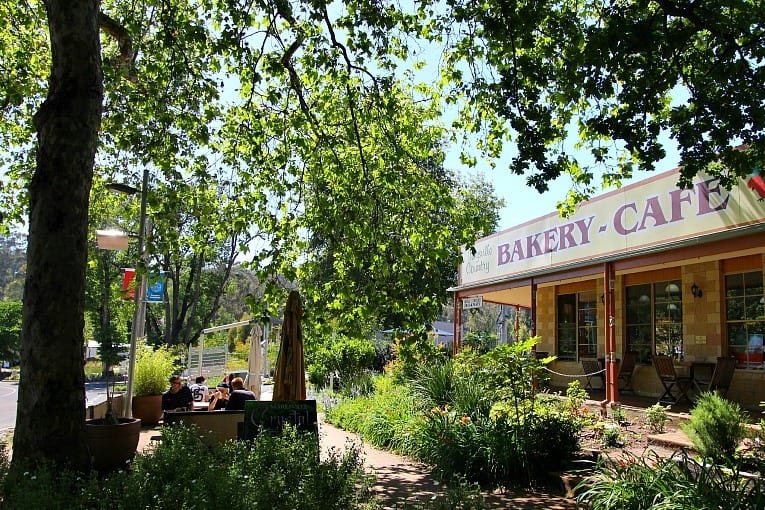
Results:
647 269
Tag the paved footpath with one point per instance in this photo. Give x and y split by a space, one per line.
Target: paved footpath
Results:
399 479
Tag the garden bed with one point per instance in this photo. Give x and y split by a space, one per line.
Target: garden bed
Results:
633 434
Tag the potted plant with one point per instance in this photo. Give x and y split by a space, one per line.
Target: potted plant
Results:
153 368
112 440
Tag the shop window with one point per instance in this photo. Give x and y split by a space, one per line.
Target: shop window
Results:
745 318
654 319
577 330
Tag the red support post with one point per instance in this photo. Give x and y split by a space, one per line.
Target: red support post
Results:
612 383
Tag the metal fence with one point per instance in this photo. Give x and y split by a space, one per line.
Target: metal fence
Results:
209 361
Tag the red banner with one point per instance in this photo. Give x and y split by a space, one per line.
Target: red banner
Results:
128 283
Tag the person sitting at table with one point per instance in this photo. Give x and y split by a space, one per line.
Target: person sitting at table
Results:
178 396
219 399
239 395
199 390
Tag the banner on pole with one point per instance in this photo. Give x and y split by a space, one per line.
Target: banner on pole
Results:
128 283
155 292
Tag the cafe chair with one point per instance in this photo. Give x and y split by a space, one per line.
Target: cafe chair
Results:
626 369
675 387
592 369
722 375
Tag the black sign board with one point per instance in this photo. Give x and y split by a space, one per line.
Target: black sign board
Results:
270 417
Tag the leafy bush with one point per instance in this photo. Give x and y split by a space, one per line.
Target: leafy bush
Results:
509 372
384 418
575 398
512 448
471 397
656 417
434 384
609 435
153 368
680 483
274 472
716 427
412 351
477 417
348 357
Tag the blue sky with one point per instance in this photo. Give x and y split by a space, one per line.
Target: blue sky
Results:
523 203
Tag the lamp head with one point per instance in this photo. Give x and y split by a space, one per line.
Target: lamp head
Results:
122 188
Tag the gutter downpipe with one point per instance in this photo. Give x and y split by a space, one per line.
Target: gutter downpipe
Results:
612 387
457 328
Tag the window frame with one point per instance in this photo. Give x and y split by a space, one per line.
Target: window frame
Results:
745 347
645 317
581 333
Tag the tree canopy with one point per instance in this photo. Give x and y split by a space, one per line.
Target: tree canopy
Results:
614 76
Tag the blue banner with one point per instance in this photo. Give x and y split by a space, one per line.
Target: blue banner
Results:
155 291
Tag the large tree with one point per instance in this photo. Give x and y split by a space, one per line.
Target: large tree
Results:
51 410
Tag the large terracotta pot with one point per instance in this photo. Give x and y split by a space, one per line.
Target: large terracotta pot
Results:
112 445
148 408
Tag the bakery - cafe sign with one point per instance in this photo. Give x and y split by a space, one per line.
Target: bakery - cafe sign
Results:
650 213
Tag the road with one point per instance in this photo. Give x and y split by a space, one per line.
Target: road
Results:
8 397
95 392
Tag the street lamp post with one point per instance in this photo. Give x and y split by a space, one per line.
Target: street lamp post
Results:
139 317
117 240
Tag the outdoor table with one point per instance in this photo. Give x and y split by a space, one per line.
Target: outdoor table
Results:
701 371
696 370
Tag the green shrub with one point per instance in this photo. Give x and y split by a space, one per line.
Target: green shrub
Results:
10 330
679 483
656 417
384 418
471 397
610 436
318 375
412 351
349 358
575 398
273 472
434 384
515 447
153 368
509 372
716 427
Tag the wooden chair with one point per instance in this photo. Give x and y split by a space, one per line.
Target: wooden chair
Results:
722 375
592 369
626 369
675 387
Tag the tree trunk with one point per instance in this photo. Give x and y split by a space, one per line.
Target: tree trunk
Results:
50 423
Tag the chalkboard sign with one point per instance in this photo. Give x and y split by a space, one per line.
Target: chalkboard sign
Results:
270 417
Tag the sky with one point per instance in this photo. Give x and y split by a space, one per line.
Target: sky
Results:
523 203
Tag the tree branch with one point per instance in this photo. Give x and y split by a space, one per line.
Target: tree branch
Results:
125 42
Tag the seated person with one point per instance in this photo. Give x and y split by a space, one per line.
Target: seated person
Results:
178 396
219 399
199 390
239 395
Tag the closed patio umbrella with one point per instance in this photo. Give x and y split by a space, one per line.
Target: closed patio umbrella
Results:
289 376
255 361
